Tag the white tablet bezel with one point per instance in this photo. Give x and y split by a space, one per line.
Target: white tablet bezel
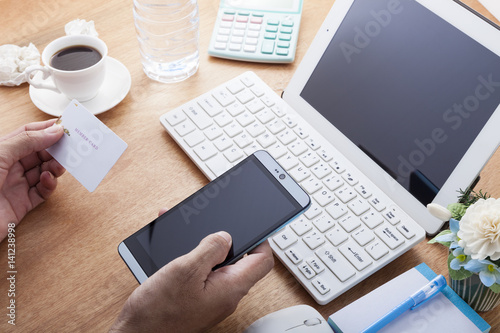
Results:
474 159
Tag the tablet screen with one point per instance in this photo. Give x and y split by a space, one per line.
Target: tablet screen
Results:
408 88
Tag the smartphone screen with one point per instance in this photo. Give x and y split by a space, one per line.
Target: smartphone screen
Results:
250 201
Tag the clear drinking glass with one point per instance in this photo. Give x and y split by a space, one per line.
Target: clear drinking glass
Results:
168 34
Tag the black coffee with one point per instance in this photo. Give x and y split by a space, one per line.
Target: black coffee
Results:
74 58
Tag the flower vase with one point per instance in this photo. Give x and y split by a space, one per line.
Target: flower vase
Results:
475 293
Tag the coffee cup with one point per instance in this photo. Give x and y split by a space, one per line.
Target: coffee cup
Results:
73 65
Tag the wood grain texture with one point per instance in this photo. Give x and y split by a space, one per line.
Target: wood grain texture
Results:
70 276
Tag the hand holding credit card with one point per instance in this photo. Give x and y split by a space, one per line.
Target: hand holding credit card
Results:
89 149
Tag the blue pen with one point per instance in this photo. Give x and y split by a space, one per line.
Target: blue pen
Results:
417 299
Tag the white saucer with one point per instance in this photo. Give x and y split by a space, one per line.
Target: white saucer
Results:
115 87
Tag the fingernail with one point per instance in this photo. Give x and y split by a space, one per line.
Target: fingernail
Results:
53 129
226 236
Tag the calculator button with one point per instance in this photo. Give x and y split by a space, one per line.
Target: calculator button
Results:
224 31
220 46
287 23
226 24
240 18
273 22
270 35
235 47
254 27
257 20
251 41
284 44
285 37
228 17
271 28
238 32
253 34
281 51
240 26
229 12
237 40
244 13
250 48
222 39
267 47
286 30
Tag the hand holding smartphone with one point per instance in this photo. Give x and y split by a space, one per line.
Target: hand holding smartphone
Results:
250 201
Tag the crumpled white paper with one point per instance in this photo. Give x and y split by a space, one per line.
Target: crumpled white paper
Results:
80 27
14 60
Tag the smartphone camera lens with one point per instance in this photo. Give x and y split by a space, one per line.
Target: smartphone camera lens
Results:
282 176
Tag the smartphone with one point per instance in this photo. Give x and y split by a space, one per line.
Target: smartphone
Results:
251 201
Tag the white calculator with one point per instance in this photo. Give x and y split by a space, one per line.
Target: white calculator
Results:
257 30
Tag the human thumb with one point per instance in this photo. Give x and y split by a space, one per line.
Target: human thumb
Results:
212 250
27 142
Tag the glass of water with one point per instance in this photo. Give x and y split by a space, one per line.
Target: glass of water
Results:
168 34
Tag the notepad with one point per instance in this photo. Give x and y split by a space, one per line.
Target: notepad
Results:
446 312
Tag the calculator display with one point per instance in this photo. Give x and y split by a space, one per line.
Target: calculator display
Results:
268 5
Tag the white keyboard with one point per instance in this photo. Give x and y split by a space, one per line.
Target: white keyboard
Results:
350 231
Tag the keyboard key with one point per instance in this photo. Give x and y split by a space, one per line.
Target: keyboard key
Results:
223 119
313 240
301 132
324 197
377 203
288 162
286 137
377 250
349 178
392 216
185 127
268 101
337 236
265 116
294 255
321 170
205 151
312 143
255 106
363 236
257 91
337 166
290 120
276 126
277 151
311 185
356 255
218 165
346 194
235 87
313 211
223 96
308 272
358 206
309 159
339 266
320 285
252 148
390 236
222 143
336 210
349 222
285 238
245 96
266 139
175 117
245 119
297 148
213 132
333 182
243 140
325 155
299 173
194 138
233 155
406 231
372 219
324 222
363 191
255 129
199 117
301 225
316 265
235 109
233 129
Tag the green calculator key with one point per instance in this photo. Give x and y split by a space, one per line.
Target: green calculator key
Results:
256 31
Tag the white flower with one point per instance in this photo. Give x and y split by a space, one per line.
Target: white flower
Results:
479 232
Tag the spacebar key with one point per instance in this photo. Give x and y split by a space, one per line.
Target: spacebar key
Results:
332 258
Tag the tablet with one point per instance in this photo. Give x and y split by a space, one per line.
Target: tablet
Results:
408 91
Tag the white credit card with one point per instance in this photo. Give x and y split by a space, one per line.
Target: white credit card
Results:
88 149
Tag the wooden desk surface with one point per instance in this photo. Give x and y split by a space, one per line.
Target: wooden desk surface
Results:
70 276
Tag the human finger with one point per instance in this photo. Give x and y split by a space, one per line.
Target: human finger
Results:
35 126
54 167
43 189
211 251
28 142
